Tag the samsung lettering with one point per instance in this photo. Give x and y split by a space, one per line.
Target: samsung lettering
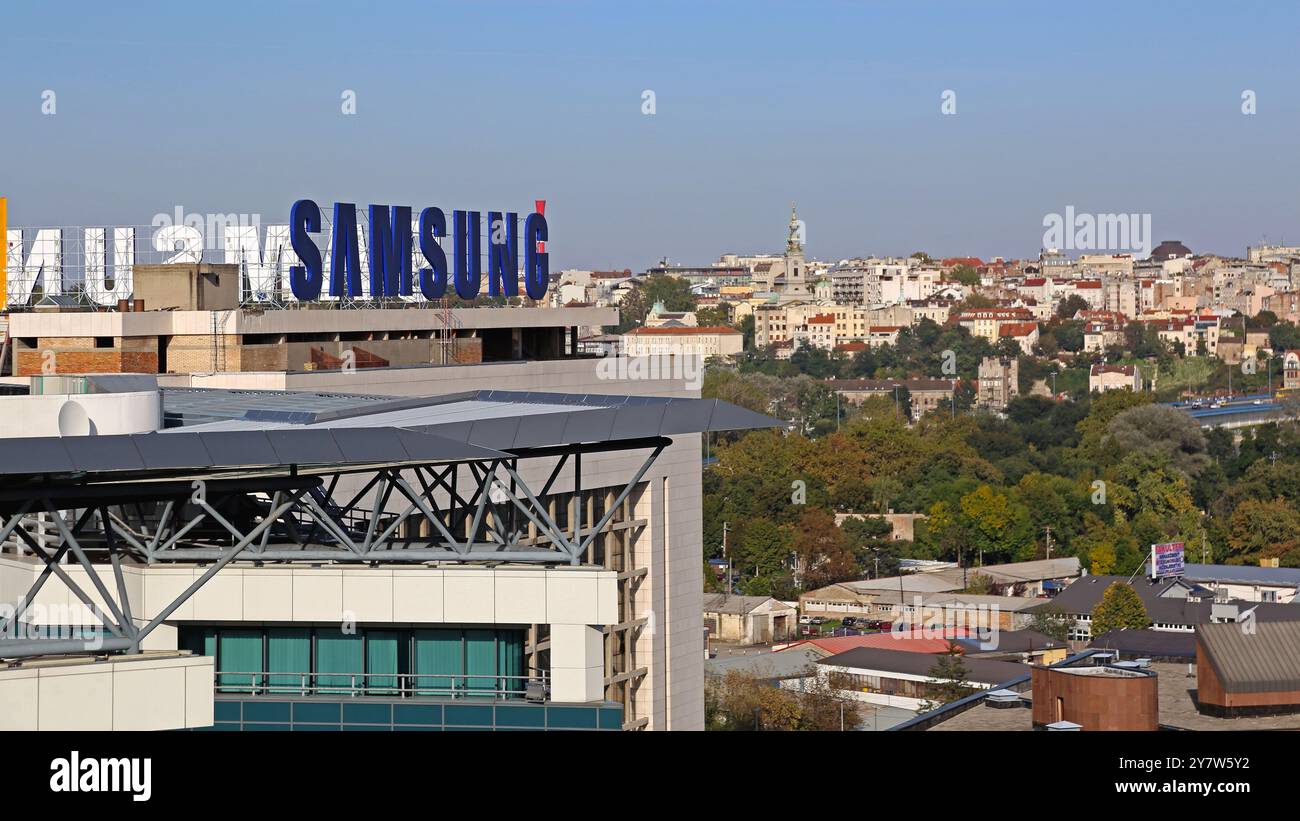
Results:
391 245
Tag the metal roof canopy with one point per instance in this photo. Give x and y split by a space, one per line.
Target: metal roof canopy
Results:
79 459
340 441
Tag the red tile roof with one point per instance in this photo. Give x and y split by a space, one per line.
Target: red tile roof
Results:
911 641
1018 329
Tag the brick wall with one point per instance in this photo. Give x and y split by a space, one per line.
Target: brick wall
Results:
31 363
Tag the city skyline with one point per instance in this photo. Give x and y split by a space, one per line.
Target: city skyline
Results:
842 111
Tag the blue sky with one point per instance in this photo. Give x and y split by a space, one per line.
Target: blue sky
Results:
235 107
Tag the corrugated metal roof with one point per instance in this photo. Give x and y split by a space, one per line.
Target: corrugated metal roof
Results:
1263 660
1242 574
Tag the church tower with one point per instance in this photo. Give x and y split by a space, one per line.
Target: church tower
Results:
796 283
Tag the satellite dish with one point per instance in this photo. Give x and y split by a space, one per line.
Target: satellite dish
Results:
73 420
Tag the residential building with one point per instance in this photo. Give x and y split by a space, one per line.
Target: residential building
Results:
1025 334
1171 604
684 340
988 322
926 395
1247 582
998 382
1102 378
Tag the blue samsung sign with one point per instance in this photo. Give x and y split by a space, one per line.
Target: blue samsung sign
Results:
390 253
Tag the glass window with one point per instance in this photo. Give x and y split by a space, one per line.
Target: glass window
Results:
382 656
510 659
288 651
239 656
339 653
201 641
438 656
481 660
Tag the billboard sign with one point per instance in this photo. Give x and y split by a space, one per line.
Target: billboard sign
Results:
1166 560
345 253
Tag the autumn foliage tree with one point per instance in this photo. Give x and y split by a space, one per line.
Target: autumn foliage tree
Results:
821 550
1120 607
743 701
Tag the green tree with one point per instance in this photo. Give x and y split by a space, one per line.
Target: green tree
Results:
997 526
1052 621
822 550
949 680
1160 429
1120 607
1284 336
966 275
673 292
763 549
1263 529
1070 306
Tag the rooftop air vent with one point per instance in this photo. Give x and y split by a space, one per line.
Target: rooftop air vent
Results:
1064 727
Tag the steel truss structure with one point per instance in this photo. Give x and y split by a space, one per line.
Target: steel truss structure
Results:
402 513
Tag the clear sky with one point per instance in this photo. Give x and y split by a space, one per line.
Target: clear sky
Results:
236 107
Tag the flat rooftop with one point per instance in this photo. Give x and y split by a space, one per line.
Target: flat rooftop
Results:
1177 690
313 320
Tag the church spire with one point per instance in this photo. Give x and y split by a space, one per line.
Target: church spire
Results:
795 241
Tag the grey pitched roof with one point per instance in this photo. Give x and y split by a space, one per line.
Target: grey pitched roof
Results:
983 671
1161 643
1013 641
1082 595
1266 659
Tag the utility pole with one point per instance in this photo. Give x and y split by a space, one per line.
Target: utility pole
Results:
725 527
1048 528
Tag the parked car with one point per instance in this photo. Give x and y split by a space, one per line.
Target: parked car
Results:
805 619
818 620
849 621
